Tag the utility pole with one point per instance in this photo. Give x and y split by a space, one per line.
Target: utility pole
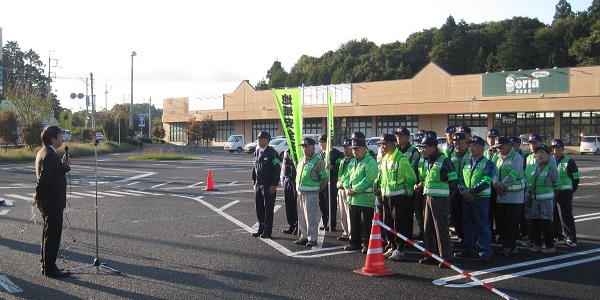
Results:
93 102
150 117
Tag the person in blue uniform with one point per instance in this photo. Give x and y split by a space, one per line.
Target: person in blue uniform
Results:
265 175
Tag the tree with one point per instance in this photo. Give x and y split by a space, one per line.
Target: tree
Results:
193 131
563 11
277 76
9 123
29 103
208 129
158 132
31 133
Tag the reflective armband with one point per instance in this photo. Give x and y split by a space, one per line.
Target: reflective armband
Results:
276 161
514 174
575 175
487 179
323 174
452 176
557 185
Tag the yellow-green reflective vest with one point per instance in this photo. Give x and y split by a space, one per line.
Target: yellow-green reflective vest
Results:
476 176
434 186
396 175
458 165
541 191
505 170
565 180
304 182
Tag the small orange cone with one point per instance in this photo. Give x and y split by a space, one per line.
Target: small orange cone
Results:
209 183
375 266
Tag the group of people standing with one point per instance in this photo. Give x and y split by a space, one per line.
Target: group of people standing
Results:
489 195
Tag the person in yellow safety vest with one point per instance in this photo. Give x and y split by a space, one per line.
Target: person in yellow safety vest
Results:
475 180
564 222
420 167
396 184
510 184
542 187
342 197
515 141
492 155
359 186
310 180
459 157
439 179
448 148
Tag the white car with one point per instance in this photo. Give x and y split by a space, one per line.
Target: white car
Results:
590 144
280 145
99 136
372 143
250 147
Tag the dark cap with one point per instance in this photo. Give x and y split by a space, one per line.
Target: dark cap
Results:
263 135
501 140
477 140
534 137
429 139
387 138
402 131
557 143
542 147
464 129
493 132
323 137
358 135
515 140
347 143
459 137
358 142
308 141
450 129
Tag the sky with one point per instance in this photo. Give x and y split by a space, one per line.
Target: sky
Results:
204 49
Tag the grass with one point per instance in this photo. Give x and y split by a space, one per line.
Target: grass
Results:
75 150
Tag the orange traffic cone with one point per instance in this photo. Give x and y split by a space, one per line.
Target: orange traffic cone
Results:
209 183
375 266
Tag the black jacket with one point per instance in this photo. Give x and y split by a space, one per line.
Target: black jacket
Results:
51 188
266 168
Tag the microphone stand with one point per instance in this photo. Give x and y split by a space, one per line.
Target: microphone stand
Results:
96 262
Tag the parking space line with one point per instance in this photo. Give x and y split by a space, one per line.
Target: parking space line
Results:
28 199
4 212
152 187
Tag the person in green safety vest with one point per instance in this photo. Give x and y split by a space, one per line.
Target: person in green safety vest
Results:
564 223
310 180
542 187
360 188
396 184
459 157
342 196
439 179
420 168
492 154
475 181
510 184
515 141
448 148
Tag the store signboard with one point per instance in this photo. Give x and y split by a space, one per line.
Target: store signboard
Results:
548 81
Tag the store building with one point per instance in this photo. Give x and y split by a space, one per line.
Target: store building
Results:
558 102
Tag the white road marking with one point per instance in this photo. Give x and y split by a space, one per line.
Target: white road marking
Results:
28 199
224 207
9 285
588 169
142 192
125 193
152 187
91 194
136 182
196 184
4 212
109 194
444 281
137 177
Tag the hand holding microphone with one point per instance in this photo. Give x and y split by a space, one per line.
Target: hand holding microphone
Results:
66 158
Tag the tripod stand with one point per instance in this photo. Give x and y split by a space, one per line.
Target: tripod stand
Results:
96 262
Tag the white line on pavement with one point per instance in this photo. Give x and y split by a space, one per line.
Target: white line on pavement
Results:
29 199
152 187
4 212
137 177
9 285
224 207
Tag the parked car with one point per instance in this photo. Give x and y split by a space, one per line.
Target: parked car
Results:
590 144
280 145
138 134
372 143
99 136
250 147
66 135
234 143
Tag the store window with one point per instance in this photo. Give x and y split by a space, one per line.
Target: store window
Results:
177 132
344 127
270 126
312 126
574 124
389 124
224 130
515 124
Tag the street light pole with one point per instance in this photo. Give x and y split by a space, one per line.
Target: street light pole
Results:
131 107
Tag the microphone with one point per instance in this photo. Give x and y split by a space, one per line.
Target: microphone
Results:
67 151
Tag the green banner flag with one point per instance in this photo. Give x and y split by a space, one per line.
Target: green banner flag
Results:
329 126
289 104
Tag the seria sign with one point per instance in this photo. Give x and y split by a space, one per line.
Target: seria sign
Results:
526 82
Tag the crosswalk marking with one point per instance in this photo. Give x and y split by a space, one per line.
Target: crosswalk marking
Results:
29 199
4 212
125 193
109 194
87 194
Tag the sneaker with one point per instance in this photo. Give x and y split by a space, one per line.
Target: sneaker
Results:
343 238
388 253
548 250
535 248
463 255
527 243
513 251
310 244
559 240
351 248
505 252
428 260
301 242
570 243
397 255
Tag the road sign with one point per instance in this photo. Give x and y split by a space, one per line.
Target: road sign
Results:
142 121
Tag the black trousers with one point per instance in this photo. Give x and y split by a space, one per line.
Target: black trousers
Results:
420 211
325 204
290 197
398 214
456 213
542 227
361 219
493 197
265 204
508 217
51 235
563 220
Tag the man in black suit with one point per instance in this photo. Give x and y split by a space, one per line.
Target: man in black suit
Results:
51 197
